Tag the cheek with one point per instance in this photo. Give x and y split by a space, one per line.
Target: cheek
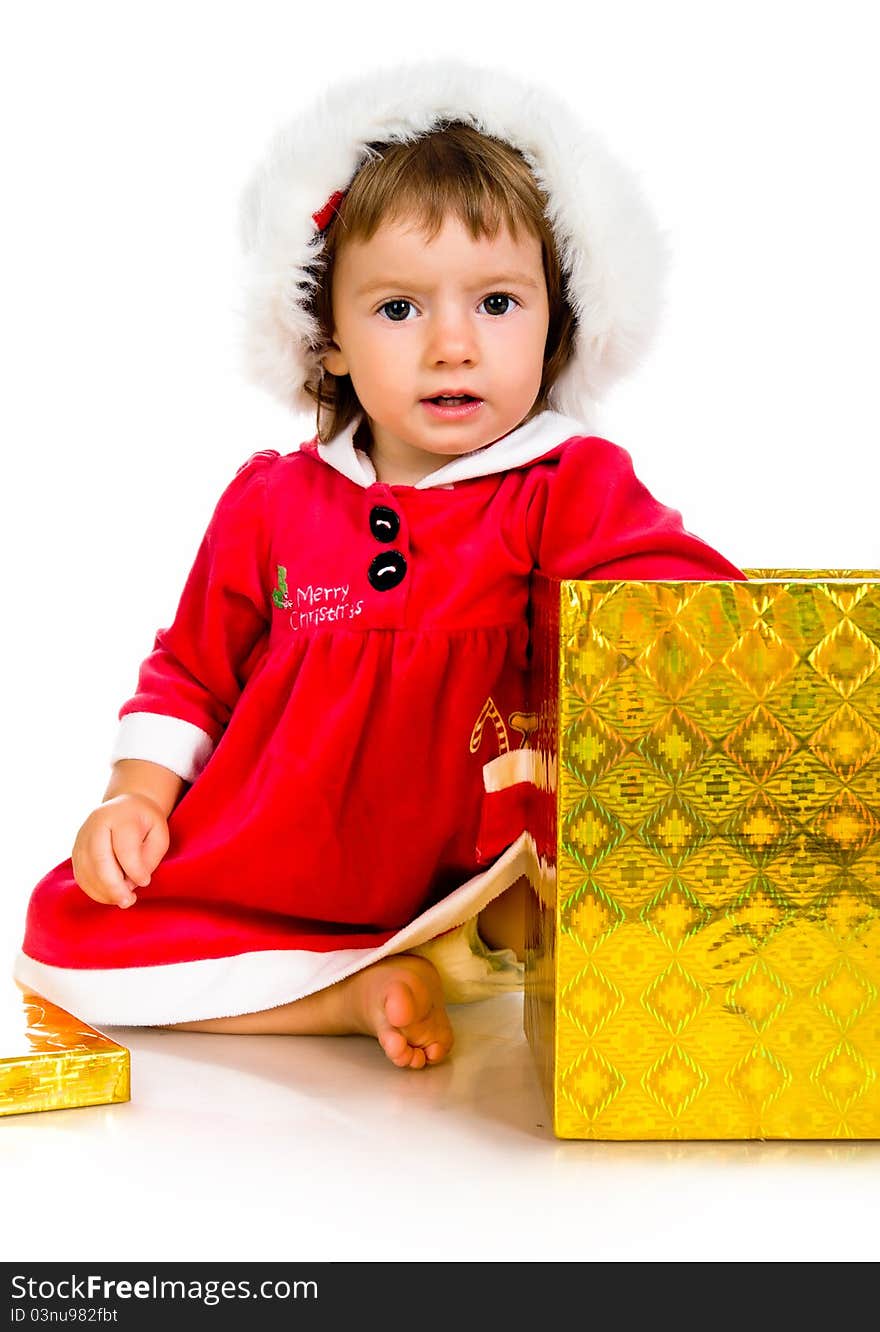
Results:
380 376
383 369
368 360
525 348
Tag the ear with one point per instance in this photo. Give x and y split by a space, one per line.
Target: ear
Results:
334 360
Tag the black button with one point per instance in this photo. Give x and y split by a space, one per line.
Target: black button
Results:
384 523
387 570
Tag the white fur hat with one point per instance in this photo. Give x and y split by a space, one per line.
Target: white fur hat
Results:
612 254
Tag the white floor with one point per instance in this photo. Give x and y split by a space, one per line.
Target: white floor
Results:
316 1148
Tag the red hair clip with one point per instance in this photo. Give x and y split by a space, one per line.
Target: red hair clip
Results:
324 215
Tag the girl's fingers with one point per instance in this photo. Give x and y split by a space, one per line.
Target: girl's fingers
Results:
154 846
128 847
110 876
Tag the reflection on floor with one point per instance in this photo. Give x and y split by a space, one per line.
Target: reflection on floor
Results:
315 1148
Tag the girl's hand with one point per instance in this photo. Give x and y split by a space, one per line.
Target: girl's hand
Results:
118 847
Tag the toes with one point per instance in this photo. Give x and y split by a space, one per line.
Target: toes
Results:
402 1007
413 1028
437 1050
400 1052
394 1043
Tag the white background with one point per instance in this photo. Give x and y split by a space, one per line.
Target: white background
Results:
128 131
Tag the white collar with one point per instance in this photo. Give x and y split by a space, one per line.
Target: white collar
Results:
524 444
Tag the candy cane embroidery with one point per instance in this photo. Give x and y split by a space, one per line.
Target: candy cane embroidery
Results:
490 711
524 722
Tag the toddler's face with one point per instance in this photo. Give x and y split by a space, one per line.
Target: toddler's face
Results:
415 318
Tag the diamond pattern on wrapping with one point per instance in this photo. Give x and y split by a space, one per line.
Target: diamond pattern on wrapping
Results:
675 913
760 1077
715 875
717 787
760 744
846 742
760 911
591 1083
675 830
801 875
718 701
674 1080
631 788
631 878
590 915
760 660
847 908
846 658
844 994
843 1076
844 829
761 830
629 702
804 699
802 786
674 661
675 998
865 611
759 996
675 747
590 832
592 663
591 747
630 614
590 1000
802 614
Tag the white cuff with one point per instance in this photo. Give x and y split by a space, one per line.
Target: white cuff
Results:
176 744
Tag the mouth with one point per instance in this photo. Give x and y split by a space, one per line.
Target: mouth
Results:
452 405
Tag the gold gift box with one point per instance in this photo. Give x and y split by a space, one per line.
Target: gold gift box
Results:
49 1060
703 948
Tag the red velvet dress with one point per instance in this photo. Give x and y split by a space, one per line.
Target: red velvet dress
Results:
344 688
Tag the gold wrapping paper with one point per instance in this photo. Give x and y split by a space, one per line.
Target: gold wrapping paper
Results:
703 951
49 1060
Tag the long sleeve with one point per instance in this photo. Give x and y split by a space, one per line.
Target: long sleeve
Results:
593 518
191 680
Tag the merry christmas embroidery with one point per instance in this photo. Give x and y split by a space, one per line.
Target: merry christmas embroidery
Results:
314 604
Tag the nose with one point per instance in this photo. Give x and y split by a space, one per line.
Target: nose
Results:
452 337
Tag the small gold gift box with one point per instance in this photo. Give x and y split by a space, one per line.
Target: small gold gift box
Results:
49 1060
703 954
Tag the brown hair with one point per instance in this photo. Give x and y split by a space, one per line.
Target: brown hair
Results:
457 170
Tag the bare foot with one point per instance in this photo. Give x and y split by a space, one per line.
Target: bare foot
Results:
400 1000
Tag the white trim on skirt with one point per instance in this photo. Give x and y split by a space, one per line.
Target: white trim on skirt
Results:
250 982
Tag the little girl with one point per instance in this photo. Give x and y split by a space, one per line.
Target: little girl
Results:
316 819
